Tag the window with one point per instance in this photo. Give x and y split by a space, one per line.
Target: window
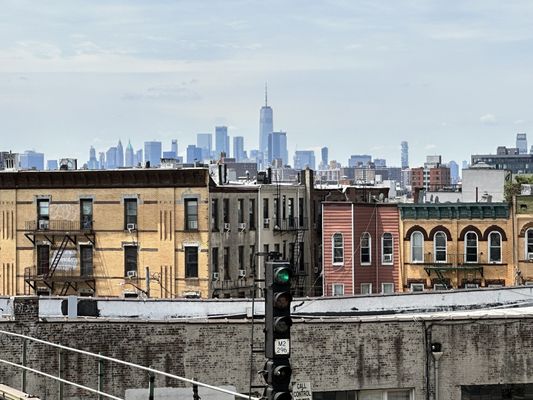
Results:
240 211
471 247
301 257
291 253
214 215
191 262
338 289
251 214
43 213
191 214
266 250
276 248
130 212
439 241
366 288
225 211
214 259
301 212
417 287
86 260
43 259
364 248
386 248
226 263
417 247
495 247
275 215
403 394
338 248
241 257
387 288
291 221
529 244
252 257
130 260
86 214
266 220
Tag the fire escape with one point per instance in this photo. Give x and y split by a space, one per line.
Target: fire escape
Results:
56 235
469 266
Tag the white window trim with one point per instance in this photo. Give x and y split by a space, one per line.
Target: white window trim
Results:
338 263
411 246
501 248
334 285
526 244
369 249
383 287
477 248
369 288
435 248
383 262
417 284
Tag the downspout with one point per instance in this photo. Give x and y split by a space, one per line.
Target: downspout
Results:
378 241
260 226
324 288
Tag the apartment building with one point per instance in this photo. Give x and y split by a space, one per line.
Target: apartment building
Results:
523 233
132 232
456 245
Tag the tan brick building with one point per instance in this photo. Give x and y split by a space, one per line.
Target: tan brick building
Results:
456 245
523 214
95 232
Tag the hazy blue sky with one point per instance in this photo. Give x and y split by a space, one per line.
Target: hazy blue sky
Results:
451 77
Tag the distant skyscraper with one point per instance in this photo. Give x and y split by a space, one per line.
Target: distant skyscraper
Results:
51 165
129 156
221 141
405 155
120 154
31 160
304 159
277 147
454 172
324 160
465 164
93 162
138 158
266 125
359 159
194 154
111 158
101 160
380 162
238 148
152 153
204 141
174 147
521 143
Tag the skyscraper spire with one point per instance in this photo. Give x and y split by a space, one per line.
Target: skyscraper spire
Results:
266 95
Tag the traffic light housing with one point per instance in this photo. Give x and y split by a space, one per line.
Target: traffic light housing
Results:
278 322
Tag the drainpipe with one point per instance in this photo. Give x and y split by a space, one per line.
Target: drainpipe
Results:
436 357
260 226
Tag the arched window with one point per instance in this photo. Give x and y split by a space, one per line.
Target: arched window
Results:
495 247
471 247
387 248
529 244
417 247
365 248
439 242
338 248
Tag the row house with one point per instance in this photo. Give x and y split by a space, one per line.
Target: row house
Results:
523 233
106 233
251 220
361 247
456 245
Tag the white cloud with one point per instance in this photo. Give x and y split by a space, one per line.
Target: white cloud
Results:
488 119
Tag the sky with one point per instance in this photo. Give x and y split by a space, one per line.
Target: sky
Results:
451 77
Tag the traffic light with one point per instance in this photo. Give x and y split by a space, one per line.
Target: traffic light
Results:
277 371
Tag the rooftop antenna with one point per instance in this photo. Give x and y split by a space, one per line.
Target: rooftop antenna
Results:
266 95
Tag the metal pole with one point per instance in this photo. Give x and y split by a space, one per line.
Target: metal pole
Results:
436 379
147 277
24 362
59 374
100 377
151 382
195 392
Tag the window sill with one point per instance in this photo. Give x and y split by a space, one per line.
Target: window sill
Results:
366 264
338 264
387 264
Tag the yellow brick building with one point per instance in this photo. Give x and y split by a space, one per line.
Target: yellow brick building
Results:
96 232
523 215
456 245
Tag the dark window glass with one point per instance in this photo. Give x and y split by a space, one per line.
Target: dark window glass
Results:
43 213
43 259
495 247
471 247
214 259
240 210
86 214
191 262
226 263
440 247
226 210
251 213
130 259
86 260
241 257
365 248
191 214
214 215
130 212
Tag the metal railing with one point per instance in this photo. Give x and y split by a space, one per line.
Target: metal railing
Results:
101 358
457 259
77 272
58 225
289 224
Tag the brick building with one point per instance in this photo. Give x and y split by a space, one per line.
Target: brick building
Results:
523 234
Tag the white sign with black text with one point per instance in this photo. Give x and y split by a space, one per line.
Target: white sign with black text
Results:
302 391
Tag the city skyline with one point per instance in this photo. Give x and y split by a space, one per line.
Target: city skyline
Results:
367 74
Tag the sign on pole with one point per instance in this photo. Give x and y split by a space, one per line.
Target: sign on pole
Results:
302 391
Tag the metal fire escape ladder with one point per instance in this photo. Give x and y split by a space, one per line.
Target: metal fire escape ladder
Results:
59 254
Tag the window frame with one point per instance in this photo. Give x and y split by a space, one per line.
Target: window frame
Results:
214 260
467 247
215 223
334 259
251 214
383 253
528 243
335 286
490 247
437 249
368 247
413 285
412 247
86 266
191 218
388 284
130 218
86 220
128 263
43 217
191 264
365 284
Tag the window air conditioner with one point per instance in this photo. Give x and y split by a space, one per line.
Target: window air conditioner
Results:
131 274
387 258
242 226
471 286
242 273
43 225
530 256
215 276
227 226
131 227
266 221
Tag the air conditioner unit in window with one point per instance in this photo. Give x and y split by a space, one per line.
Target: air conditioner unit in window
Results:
242 273
131 274
471 286
530 256
266 221
227 226
131 227
43 225
215 276
387 258
242 226
440 286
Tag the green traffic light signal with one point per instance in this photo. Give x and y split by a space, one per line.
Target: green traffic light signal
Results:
282 275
